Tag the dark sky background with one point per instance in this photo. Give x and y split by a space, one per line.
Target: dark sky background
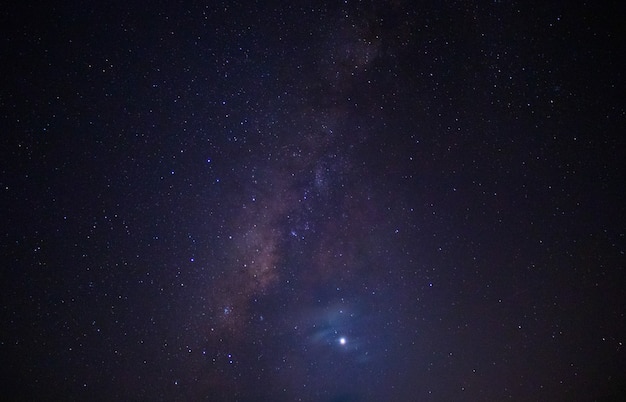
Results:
312 201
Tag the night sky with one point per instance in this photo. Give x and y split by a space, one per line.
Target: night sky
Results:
298 201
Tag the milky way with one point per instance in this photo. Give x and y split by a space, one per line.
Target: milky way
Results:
290 201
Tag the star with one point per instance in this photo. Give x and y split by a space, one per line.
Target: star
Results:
258 205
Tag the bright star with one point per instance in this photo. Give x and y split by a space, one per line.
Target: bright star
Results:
342 341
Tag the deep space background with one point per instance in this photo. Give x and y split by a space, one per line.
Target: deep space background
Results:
312 201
